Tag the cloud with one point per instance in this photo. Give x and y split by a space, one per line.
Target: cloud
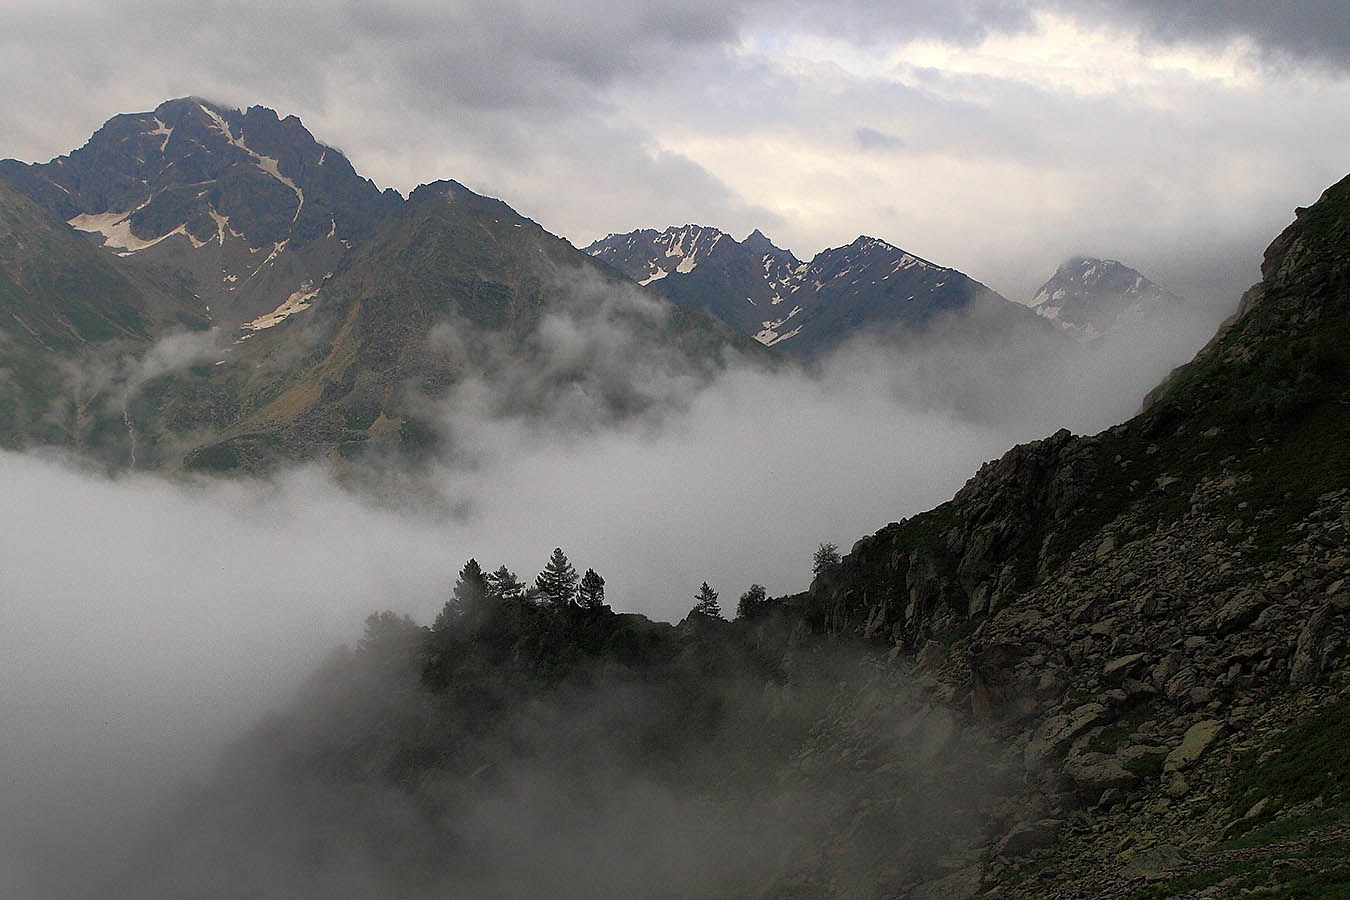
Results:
869 139
1289 32
150 619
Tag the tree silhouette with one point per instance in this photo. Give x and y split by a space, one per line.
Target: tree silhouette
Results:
468 600
826 559
752 602
557 584
707 604
503 584
592 591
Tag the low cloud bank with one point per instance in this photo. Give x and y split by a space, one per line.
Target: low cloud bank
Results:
148 620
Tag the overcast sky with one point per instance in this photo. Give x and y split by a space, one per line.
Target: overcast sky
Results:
996 137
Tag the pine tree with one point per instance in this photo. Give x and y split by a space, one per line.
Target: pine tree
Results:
468 600
557 584
503 585
592 592
707 602
752 602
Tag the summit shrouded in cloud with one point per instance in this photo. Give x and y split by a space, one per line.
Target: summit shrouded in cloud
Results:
1090 297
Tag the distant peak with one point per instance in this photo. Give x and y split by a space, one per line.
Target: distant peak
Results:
1082 264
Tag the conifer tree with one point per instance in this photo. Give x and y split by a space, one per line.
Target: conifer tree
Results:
503 584
468 599
752 602
557 584
592 591
707 602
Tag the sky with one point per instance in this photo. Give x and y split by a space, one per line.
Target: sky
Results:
999 137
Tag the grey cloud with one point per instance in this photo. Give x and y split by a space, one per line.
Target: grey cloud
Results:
961 21
1292 31
871 139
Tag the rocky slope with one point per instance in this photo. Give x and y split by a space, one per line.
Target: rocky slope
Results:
1090 298
1153 619
867 289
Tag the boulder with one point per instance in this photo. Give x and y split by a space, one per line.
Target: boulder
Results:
1059 731
1093 773
1306 664
1025 838
1197 739
1118 668
1239 612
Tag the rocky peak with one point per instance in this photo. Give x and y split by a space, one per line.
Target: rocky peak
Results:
246 207
1090 297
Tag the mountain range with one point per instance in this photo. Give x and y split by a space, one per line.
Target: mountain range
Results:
868 289
327 313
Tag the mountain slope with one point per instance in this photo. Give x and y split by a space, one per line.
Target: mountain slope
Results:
1090 297
66 312
453 286
1149 615
866 289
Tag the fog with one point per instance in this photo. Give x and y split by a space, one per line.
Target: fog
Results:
148 620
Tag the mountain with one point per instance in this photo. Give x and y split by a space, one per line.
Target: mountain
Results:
1090 297
453 286
252 300
244 209
1110 666
807 309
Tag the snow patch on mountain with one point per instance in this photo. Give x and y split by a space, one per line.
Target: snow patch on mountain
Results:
115 228
297 301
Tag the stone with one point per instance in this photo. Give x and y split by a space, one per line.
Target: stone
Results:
1117 669
1176 786
1025 838
1059 731
1197 739
1110 797
1094 773
1239 612
1180 684
1152 864
1106 547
